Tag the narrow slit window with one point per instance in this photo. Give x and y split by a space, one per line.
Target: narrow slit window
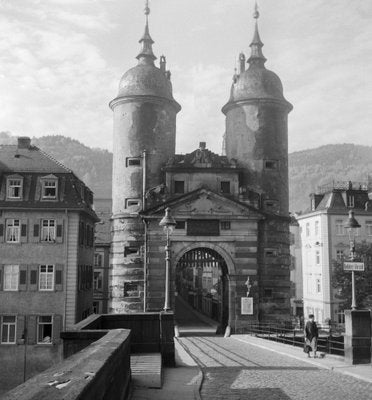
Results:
132 203
271 164
131 251
133 162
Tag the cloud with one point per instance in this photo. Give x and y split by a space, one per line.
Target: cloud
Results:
53 78
202 87
61 61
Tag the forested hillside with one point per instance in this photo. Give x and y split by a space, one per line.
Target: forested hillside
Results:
93 166
308 169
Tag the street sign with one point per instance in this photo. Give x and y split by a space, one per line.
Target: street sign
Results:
353 266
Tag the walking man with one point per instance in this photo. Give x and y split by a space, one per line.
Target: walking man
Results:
311 335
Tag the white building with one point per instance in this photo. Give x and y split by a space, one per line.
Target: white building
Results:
324 240
296 269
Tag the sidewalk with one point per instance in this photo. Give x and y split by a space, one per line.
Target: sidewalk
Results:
331 362
181 383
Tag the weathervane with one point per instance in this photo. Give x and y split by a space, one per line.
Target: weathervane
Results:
256 14
147 8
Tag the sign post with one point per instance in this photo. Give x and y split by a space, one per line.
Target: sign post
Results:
353 266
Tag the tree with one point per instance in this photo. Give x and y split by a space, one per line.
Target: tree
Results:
341 280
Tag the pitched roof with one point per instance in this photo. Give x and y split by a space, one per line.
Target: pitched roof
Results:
31 159
32 165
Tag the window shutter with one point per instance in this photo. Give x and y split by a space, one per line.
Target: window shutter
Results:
2 188
23 231
38 189
20 328
33 281
59 231
22 278
62 188
1 232
35 234
31 329
59 277
57 328
1 277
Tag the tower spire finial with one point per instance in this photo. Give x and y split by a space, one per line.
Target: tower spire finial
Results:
256 45
256 14
146 55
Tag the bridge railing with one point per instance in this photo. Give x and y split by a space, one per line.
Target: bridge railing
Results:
329 341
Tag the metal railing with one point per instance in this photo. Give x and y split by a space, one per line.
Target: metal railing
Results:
329 342
342 185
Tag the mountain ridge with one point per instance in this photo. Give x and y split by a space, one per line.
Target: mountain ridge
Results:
308 169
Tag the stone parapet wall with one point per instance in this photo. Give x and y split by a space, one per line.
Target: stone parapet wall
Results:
100 371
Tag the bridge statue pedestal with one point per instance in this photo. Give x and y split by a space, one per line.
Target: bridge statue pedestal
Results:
357 341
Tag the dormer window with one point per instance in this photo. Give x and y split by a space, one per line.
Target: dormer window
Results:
49 189
14 186
350 201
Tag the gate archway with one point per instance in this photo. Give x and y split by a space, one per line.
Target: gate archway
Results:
202 281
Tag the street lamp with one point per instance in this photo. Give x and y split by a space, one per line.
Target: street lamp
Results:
352 225
168 223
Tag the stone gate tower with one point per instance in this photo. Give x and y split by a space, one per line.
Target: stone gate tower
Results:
144 139
257 137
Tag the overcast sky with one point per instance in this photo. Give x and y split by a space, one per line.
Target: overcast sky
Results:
61 62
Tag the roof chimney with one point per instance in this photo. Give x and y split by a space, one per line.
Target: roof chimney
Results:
202 145
24 142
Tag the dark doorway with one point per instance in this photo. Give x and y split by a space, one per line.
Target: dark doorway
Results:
202 283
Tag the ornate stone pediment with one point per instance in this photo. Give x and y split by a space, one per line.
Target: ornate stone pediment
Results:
205 203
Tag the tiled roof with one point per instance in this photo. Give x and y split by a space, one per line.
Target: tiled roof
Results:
32 164
32 159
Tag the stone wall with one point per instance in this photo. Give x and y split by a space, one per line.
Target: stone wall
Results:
100 371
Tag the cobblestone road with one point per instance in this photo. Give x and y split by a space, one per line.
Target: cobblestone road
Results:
239 371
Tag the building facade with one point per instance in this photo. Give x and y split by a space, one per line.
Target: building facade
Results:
46 247
324 240
297 307
102 242
232 211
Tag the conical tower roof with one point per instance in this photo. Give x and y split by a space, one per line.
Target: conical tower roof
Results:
256 82
146 79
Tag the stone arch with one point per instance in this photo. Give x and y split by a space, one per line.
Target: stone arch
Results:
227 257
228 326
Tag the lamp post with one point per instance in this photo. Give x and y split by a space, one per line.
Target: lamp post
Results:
168 223
357 339
352 225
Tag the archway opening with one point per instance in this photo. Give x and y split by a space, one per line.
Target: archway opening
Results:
202 287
